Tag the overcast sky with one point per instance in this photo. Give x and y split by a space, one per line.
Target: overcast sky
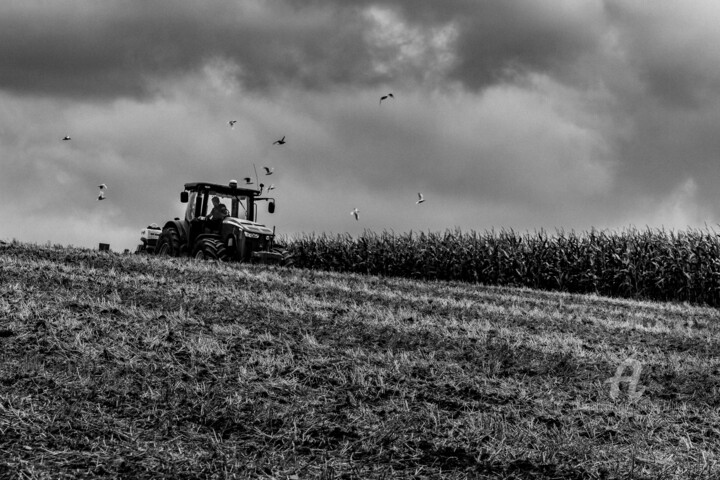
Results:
564 114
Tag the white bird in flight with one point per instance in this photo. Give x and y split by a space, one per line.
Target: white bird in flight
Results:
420 198
232 123
268 170
248 181
281 141
385 97
356 213
271 187
101 196
102 186
66 137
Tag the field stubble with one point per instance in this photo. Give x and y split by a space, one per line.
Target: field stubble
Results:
142 367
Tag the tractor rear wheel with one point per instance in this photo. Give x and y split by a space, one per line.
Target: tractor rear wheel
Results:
168 243
210 249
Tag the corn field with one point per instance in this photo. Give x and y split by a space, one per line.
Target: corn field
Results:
650 264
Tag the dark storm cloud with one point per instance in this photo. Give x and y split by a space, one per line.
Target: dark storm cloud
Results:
129 47
500 39
115 48
124 47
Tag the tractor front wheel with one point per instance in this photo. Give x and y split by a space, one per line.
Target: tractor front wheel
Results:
168 243
287 258
210 249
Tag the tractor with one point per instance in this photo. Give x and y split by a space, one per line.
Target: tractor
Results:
237 237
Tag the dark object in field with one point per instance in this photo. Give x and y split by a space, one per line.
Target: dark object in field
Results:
5 333
104 247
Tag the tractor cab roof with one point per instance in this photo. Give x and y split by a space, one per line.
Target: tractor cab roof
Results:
231 189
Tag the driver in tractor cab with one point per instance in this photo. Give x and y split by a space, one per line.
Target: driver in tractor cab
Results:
218 213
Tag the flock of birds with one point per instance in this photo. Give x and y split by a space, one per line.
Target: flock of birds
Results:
268 170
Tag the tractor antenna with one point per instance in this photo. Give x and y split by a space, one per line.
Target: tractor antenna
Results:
256 178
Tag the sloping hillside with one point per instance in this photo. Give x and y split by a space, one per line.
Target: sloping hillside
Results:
142 367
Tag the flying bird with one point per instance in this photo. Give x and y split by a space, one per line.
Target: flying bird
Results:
101 196
66 137
281 141
248 181
420 198
102 186
271 187
356 213
268 170
385 97
232 123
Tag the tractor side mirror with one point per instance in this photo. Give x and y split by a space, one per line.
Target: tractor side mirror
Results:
271 206
183 197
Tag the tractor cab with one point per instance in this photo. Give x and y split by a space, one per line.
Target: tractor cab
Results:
239 205
200 204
